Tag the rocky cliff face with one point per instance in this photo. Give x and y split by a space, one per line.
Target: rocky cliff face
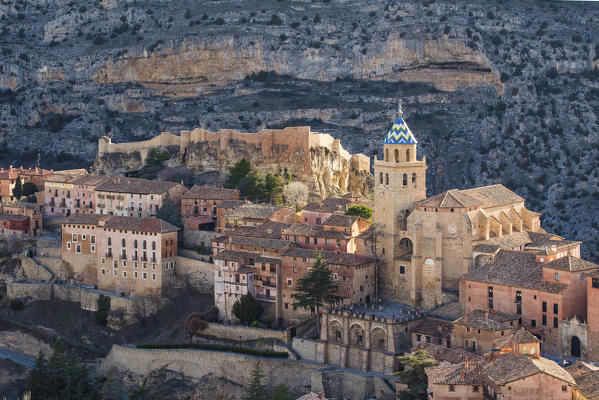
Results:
495 92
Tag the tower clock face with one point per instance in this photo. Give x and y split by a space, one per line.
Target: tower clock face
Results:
451 229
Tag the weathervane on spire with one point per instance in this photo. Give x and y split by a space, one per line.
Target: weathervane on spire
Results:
399 110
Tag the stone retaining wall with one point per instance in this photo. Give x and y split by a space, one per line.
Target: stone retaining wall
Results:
199 274
240 332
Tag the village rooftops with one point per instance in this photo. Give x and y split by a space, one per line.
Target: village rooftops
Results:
312 230
510 367
479 319
254 211
433 327
89 180
445 354
569 263
84 219
237 256
587 384
120 184
231 204
515 268
13 217
524 336
467 373
211 193
149 224
63 177
341 220
329 205
450 199
269 229
486 248
13 173
493 195
256 242
581 368
331 257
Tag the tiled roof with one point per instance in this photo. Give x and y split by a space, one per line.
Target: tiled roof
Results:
231 204
515 268
579 369
90 180
433 327
135 185
486 248
452 198
237 256
84 219
302 230
258 211
341 220
62 178
211 193
330 204
457 374
445 354
488 321
269 229
13 173
493 195
260 242
400 133
510 367
149 224
516 239
524 336
588 385
330 257
569 263
13 217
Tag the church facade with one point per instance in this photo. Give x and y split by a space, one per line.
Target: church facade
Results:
427 243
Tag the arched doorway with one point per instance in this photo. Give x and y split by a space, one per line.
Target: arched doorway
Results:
575 346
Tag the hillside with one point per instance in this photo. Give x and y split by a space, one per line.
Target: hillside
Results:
507 92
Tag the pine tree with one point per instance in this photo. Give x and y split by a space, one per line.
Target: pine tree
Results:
255 390
239 171
169 211
247 309
253 185
17 191
273 187
316 288
413 374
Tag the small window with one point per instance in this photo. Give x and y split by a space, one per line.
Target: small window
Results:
289 282
74 237
557 276
475 388
145 275
544 305
103 271
555 322
153 277
595 283
452 388
544 320
533 323
83 237
564 388
402 270
490 304
555 308
93 248
124 274
78 249
68 245
135 274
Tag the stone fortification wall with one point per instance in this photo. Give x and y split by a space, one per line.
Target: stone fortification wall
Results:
87 298
316 159
238 332
300 376
199 274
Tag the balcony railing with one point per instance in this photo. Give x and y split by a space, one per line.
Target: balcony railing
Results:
265 297
108 254
144 258
123 256
134 258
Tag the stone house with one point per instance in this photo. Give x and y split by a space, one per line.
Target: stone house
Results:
58 194
233 278
31 210
222 209
204 200
321 237
135 197
318 212
132 255
84 193
541 293
432 330
478 330
446 356
257 245
505 376
353 273
14 226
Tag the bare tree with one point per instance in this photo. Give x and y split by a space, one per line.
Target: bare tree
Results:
296 194
372 238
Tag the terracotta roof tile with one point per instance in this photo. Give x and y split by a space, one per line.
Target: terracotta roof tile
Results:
433 327
136 185
256 211
570 263
450 199
90 180
493 195
85 219
341 220
444 354
330 257
524 336
230 204
515 268
330 204
13 217
457 374
149 224
510 367
488 321
211 193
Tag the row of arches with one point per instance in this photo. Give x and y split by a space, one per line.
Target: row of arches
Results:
378 336
404 179
396 154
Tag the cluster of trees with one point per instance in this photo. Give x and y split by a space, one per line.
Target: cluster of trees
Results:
156 157
23 189
253 185
361 211
169 212
257 391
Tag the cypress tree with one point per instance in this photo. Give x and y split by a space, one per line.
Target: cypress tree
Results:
256 390
17 191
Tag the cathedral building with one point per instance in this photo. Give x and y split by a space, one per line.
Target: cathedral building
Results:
427 244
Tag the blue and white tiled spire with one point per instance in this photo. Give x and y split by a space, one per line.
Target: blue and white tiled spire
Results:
399 132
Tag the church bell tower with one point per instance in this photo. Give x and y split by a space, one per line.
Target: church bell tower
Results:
400 181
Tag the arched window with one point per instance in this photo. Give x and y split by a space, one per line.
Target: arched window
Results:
386 179
414 179
396 155
381 178
386 154
405 180
408 155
